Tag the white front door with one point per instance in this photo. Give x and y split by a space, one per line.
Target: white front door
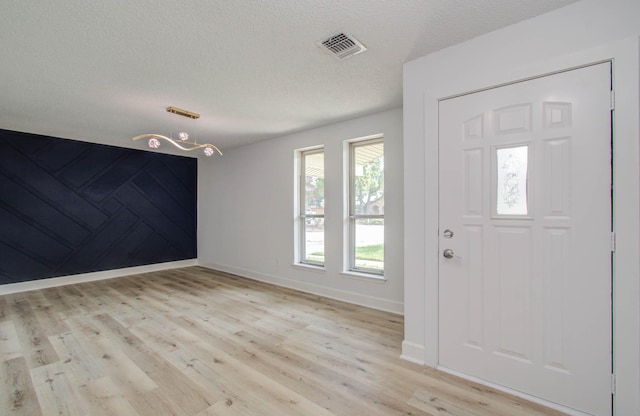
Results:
525 237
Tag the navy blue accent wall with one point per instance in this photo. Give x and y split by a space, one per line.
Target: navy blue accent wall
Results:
70 207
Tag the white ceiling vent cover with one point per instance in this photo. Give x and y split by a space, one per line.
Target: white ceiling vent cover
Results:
341 45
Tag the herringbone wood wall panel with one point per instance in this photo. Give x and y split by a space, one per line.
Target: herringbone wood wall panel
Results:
70 207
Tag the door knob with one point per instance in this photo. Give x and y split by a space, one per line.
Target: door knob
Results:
448 253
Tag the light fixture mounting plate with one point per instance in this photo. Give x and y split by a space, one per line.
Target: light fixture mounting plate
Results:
182 112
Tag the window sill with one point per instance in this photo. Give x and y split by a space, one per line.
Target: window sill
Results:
309 267
369 277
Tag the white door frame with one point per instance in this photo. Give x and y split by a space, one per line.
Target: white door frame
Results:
626 297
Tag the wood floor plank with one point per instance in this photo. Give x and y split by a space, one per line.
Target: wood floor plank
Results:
106 398
76 359
9 342
224 409
243 381
70 299
203 368
298 375
57 393
34 343
196 342
46 314
128 312
104 353
174 385
18 396
437 406
4 308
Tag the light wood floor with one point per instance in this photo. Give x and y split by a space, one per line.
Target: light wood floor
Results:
197 342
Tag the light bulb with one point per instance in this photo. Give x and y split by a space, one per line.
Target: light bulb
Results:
154 143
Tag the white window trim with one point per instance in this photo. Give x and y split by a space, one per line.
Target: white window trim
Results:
299 215
349 234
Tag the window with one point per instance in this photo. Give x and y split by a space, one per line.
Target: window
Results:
311 210
511 180
366 206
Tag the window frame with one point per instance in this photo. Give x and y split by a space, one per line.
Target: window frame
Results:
302 216
352 217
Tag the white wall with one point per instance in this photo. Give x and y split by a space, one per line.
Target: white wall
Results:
246 213
579 34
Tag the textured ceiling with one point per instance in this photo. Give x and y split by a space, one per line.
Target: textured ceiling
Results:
104 71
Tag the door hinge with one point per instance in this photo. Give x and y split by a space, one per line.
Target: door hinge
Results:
613 384
613 242
612 100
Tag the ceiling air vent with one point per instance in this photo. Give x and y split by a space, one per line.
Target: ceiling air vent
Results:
342 45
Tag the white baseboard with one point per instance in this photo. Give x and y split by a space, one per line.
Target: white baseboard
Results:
337 294
90 277
413 352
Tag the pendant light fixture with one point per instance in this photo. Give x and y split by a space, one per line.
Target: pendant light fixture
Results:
182 142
